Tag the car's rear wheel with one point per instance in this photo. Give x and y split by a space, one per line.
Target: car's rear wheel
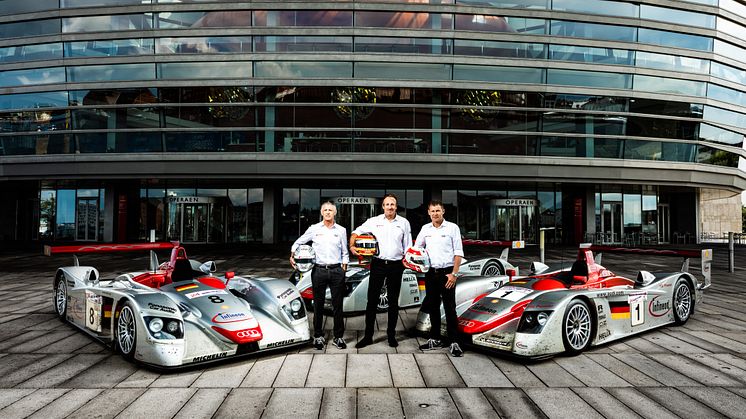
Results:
60 297
577 327
491 268
682 301
383 299
126 332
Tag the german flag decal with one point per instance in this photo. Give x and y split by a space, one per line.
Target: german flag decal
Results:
619 311
192 286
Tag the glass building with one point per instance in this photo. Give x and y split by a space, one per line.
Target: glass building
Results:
231 121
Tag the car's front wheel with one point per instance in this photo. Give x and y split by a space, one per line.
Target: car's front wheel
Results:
60 297
126 332
682 301
577 327
491 268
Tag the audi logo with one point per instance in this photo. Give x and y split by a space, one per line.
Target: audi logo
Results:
251 333
466 323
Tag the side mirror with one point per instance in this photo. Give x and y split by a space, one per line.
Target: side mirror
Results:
208 267
538 267
644 278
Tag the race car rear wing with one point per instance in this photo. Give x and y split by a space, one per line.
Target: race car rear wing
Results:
705 255
109 248
518 244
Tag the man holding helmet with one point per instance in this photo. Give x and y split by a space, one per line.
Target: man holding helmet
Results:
393 235
329 243
442 239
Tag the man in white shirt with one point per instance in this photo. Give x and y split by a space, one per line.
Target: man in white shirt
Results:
442 239
329 242
394 235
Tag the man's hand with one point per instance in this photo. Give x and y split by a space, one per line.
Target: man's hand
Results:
344 267
451 282
292 262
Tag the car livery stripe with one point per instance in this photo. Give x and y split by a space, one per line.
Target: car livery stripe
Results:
619 311
186 287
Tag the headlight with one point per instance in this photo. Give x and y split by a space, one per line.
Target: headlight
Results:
295 305
533 322
172 326
542 318
155 325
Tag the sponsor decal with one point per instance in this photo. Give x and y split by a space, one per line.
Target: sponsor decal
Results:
497 341
186 287
414 291
280 343
609 294
510 293
230 317
160 307
602 324
285 294
605 334
600 308
474 267
602 317
210 357
658 308
479 308
521 345
619 310
204 293
71 283
416 299
409 278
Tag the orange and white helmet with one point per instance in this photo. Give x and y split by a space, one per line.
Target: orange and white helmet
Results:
305 258
417 259
366 245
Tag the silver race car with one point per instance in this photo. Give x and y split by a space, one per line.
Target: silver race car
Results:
178 313
570 310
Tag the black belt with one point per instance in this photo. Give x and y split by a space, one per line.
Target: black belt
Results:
447 269
332 266
386 261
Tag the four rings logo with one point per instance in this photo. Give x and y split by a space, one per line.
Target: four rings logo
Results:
466 323
249 333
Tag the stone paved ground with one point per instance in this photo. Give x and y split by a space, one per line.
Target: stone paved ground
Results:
48 370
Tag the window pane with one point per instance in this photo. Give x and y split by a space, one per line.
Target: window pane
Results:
729 73
712 133
113 97
31 52
403 20
88 3
679 17
405 71
729 50
273 18
668 85
217 19
593 31
731 28
733 6
208 116
119 118
709 155
612 8
135 22
674 39
111 72
206 141
723 116
589 79
33 100
488 23
402 45
498 74
503 4
591 54
65 214
119 142
41 120
303 44
30 28
297 69
14 7
109 48
32 76
725 94
499 49
221 70
671 62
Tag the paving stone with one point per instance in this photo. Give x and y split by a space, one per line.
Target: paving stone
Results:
263 372
226 375
673 344
107 373
70 344
695 370
731 359
32 402
294 403
518 374
605 403
438 371
203 404
727 341
427 403
139 379
561 403
380 345
40 342
66 404
368 370
20 339
182 379
512 403
10 396
404 371
472 404
553 375
92 348
706 345
478 370
62 371
641 404
678 402
327 370
719 399
624 371
379 403
589 372
294 371
158 402
13 362
31 369
339 403
645 346
662 374
244 403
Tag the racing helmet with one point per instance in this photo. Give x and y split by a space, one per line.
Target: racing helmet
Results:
416 259
305 258
366 245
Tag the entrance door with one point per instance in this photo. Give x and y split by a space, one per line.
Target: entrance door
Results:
353 211
611 222
194 219
664 223
86 219
514 223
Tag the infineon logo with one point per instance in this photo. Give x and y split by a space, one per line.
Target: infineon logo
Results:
230 317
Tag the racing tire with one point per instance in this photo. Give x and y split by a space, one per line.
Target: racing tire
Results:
492 268
125 335
383 299
60 297
683 303
577 327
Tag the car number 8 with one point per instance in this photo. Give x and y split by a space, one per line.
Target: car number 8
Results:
215 299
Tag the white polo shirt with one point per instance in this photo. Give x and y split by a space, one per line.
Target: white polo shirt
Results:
329 243
442 243
393 236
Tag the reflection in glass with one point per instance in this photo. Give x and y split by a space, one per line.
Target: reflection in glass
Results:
402 45
133 22
303 43
115 118
32 76
47 210
119 142
403 20
302 69
593 31
589 79
204 45
503 4
31 52
109 48
665 107
731 28
208 141
726 117
727 72
216 19
89 3
725 94
208 116
136 96
668 85
274 18
674 39
47 143
709 155
611 8
65 215
672 62
719 135
406 71
510 24
111 72
195 70
33 100
655 150
499 49
36 120
584 123
661 128
676 16
729 50
591 54
17 7
29 28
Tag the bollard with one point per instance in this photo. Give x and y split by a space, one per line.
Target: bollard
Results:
731 262
152 235
541 246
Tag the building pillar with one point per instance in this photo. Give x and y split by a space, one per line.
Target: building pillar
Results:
590 211
109 203
269 227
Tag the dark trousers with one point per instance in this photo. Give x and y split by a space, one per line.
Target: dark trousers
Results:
435 289
334 278
381 272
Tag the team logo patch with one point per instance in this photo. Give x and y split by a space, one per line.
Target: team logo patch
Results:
198 294
230 317
186 287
